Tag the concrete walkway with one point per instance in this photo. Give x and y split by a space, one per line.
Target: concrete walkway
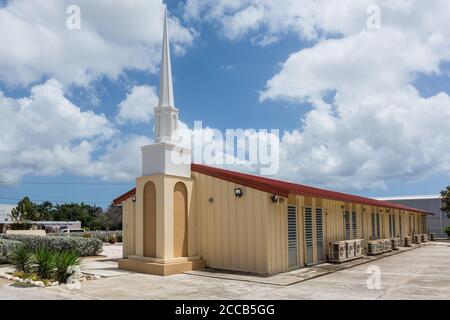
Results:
422 273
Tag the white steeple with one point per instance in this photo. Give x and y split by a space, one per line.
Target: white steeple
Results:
165 88
165 156
166 115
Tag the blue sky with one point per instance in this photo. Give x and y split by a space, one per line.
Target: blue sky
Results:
229 79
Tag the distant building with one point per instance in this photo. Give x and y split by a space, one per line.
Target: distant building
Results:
5 211
430 203
49 226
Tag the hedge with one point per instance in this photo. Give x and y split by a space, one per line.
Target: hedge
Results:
83 246
7 247
104 236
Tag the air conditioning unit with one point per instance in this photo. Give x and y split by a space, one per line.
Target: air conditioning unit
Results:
387 245
381 242
338 251
350 248
395 243
417 238
373 248
424 237
408 241
359 247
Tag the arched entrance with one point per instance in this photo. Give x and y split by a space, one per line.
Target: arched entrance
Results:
150 220
180 221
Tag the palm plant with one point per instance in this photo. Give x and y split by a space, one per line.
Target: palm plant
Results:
22 259
44 262
63 261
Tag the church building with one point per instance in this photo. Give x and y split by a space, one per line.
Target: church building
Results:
186 216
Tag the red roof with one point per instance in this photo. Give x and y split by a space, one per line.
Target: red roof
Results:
281 188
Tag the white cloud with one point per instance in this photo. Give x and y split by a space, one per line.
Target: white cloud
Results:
124 35
369 125
45 134
138 106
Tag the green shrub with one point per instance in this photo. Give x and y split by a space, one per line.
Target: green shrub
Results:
22 259
44 262
63 261
7 248
447 230
21 226
82 246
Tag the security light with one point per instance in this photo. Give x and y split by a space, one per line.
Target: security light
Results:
274 198
238 192
133 198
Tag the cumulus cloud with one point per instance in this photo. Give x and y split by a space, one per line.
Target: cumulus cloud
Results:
124 35
368 125
138 106
46 134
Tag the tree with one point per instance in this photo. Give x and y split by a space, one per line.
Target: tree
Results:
445 198
46 210
114 214
26 210
82 212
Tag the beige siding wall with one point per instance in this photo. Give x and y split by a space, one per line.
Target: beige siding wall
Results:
232 233
128 223
250 233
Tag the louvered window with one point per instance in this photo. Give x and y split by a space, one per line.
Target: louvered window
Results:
378 226
374 227
319 235
309 235
292 236
347 225
354 229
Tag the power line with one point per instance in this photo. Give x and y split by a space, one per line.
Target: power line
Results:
58 201
67 183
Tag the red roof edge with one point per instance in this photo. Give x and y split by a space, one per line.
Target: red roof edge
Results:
119 200
281 188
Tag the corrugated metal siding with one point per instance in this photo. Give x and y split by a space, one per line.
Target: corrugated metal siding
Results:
232 233
434 223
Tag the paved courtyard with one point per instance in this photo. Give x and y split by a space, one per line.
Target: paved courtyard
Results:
422 273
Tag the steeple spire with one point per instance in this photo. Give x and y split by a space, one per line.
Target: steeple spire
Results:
166 115
166 89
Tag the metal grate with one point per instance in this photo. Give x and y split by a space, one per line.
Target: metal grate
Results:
378 225
347 225
292 235
319 227
309 236
319 235
354 225
308 227
374 235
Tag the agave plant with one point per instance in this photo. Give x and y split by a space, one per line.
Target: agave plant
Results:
64 260
44 262
22 259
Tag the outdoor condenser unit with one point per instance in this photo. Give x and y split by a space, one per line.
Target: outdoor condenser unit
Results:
417 238
359 247
381 242
424 237
350 245
408 241
396 243
373 248
338 251
387 245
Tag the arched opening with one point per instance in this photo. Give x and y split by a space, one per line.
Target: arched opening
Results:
150 220
180 221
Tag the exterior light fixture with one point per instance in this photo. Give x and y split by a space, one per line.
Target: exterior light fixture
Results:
274 198
238 192
133 199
